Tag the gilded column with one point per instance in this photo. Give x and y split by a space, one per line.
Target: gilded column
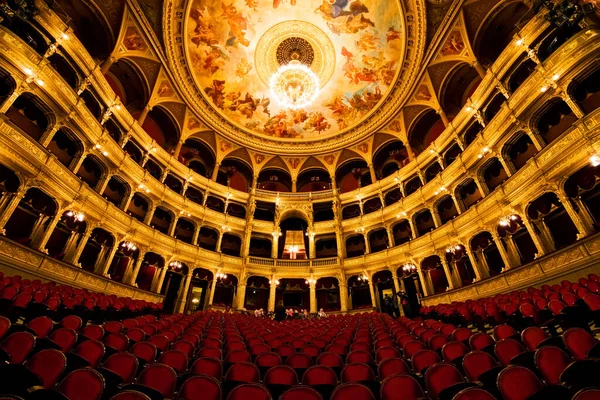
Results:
424 283
241 300
215 172
275 245
479 274
10 207
183 293
372 291
272 294
343 297
372 172
161 280
581 225
367 244
43 238
450 277
537 240
106 266
313 297
131 275
74 258
508 262
390 234
172 226
213 288
149 214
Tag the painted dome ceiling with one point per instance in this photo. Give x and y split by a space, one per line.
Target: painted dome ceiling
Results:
356 48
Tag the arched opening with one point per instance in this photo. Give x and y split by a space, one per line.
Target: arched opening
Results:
393 196
116 191
328 294
486 253
260 247
293 242
468 193
96 251
323 211
160 126
23 27
525 68
64 68
498 29
231 245
236 210
326 247
424 222
459 85
138 207
31 217
351 211
587 93
88 24
402 232
493 107
134 151
264 211
124 259
446 209
66 147
412 185
355 246
428 127
215 203
225 291
432 171
555 39
114 130
198 156
583 188
372 205
553 119
151 266
91 171
257 293
28 114
519 149
9 182
128 83
378 240
389 158
360 293
313 180
173 283
174 183
352 175
7 85
275 180
471 133
153 169
194 195
207 239
93 104
434 271
551 218
237 174
161 220
63 235
385 292
198 296
459 263
184 230
409 297
494 174
295 293
517 232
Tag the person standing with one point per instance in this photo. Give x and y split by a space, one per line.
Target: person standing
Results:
279 311
395 307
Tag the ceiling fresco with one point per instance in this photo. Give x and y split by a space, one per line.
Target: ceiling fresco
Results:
356 48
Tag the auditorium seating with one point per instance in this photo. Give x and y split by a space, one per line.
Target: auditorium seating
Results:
211 355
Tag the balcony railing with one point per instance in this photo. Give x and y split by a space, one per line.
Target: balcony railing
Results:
274 262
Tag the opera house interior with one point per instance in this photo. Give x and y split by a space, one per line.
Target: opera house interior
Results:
415 183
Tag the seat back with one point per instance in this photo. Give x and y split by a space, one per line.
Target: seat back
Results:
135 334
243 372
210 352
506 349
160 377
72 322
4 326
48 365
518 383
424 359
82 384
18 345
386 352
480 341
301 393
113 326
268 359
65 338
161 341
42 326
174 359
357 372
95 332
130 395
533 336
319 375
504 331
281 375
299 361
332 360
392 366
405 384
208 366
359 356
352 391
578 341
476 363
90 350
473 393
123 364
247 391
461 334
440 376
551 362
144 350
195 387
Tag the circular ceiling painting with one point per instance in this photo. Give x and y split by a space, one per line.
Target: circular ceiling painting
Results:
347 53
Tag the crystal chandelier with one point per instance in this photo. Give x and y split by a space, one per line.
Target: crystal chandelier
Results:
294 85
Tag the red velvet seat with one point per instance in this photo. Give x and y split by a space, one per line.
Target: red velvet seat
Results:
518 383
4 326
243 372
130 395
578 341
441 376
113 327
533 336
357 372
159 377
210 352
461 334
424 359
202 386
135 335
174 359
124 364
352 391
506 349
253 391
413 347
161 341
551 362
278 378
453 351
402 385
82 384
301 393
386 352
480 341
42 326
504 332
392 366
145 351
72 322
208 366
116 341
95 332
476 363
48 365
587 394
473 394
91 351
18 345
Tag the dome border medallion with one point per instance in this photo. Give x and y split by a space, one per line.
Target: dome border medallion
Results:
175 26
